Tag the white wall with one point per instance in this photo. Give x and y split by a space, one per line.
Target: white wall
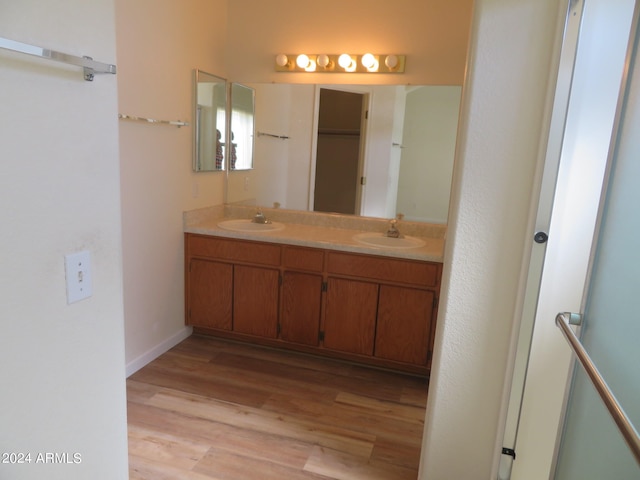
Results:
63 372
503 109
159 43
431 33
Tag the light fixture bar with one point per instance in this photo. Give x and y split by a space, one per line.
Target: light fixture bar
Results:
340 63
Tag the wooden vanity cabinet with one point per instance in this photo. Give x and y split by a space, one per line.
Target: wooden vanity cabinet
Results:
350 318
210 295
239 279
405 324
301 295
371 309
380 306
255 300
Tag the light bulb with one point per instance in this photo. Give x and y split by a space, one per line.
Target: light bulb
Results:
391 61
323 60
345 60
302 61
282 60
368 60
311 66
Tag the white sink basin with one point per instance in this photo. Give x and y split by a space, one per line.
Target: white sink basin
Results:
381 240
246 225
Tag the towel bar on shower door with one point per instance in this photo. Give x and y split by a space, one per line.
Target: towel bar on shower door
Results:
630 434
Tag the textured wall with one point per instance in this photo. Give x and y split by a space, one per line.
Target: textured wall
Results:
503 109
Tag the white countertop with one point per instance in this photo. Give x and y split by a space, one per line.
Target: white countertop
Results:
317 236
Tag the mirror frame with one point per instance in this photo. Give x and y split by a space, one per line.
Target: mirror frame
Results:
220 152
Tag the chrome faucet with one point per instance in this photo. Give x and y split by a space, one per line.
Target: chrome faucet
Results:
393 231
259 217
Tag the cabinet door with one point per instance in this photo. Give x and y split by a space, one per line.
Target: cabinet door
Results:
209 294
255 301
301 299
350 318
404 324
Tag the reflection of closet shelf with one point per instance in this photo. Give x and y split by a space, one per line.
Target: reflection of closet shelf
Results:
338 131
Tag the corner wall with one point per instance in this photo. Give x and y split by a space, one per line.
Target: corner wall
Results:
159 43
62 375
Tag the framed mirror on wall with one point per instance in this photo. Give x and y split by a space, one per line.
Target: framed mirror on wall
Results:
403 150
241 138
210 121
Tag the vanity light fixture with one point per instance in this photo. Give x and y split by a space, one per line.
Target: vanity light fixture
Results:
343 63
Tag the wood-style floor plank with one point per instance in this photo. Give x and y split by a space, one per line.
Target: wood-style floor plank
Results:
339 465
180 452
230 466
211 409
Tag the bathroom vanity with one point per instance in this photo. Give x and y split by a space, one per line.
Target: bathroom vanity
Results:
315 289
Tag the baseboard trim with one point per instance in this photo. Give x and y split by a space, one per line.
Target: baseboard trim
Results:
150 355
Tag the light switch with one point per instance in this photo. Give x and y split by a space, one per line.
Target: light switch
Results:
78 273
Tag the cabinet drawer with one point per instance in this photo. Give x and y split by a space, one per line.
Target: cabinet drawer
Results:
384 269
303 258
233 250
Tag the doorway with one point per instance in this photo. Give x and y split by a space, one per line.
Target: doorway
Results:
340 135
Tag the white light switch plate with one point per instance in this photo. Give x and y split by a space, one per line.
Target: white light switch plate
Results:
78 273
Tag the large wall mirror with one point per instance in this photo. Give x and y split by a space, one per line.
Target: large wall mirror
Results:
210 122
357 149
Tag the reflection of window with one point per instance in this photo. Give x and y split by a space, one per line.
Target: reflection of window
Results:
220 137
242 138
220 119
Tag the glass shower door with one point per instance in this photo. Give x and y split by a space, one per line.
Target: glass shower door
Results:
592 447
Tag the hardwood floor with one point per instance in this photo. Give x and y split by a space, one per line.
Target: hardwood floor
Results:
212 409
